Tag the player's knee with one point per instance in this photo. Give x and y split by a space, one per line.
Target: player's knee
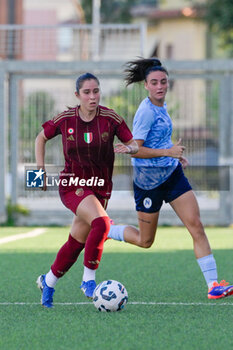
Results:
196 229
196 224
145 240
146 243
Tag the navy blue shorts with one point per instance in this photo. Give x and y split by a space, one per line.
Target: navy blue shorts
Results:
150 201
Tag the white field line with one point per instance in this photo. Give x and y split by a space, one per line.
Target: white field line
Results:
30 234
130 303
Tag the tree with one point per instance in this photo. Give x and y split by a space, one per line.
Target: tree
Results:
38 107
219 16
116 11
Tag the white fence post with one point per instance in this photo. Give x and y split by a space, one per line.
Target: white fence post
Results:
96 29
3 138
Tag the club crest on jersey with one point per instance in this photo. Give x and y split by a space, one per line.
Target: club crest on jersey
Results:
79 192
104 136
147 202
88 137
70 131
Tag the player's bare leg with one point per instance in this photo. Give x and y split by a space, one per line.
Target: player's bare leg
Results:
90 208
186 207
79 229
145 235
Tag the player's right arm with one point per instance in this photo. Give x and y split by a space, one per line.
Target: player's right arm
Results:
40 152
176 151
143 123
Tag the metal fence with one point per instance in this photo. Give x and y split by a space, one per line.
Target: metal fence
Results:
72 42
199 102
200 105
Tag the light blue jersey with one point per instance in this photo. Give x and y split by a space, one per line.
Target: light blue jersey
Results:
153 125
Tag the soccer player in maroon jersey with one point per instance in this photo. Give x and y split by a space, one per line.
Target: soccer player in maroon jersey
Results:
88 132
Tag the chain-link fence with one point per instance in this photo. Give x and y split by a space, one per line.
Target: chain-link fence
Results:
193 104
199 102
72 42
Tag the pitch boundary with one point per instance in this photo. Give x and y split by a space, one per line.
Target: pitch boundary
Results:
34 233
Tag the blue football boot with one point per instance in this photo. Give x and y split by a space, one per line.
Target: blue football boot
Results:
47 292
88 288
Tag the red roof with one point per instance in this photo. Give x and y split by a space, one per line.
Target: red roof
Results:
155 13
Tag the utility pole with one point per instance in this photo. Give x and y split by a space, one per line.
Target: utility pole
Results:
96 4
11 20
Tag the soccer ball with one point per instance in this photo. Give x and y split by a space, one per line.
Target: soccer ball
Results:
110 296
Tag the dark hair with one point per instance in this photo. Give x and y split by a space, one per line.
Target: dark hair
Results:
138 70
84 77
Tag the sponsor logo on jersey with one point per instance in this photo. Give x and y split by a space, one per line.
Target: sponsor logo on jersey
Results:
88 137
94 262
70 131
105 136
70 138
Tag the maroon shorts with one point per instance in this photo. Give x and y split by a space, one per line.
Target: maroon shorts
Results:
72 199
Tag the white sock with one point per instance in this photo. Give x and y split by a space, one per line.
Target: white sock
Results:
209 269
51 279
117 232
88 274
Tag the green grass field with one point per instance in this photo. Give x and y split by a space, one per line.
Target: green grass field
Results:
167 309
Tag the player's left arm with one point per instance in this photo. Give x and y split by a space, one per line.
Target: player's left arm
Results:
184 162
130 147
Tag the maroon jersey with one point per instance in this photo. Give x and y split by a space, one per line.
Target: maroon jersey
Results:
88 146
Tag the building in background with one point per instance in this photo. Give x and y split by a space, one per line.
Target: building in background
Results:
176 29
47 43
11 12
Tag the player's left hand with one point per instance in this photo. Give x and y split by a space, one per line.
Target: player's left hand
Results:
184 162
121 148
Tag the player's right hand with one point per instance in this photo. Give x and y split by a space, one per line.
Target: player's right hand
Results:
44 188
177 150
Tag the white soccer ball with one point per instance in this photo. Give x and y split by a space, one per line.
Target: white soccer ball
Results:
110 296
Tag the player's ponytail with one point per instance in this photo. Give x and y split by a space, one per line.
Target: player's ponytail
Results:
138 70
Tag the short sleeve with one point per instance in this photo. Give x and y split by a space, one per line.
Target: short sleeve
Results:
51 129
142 123
123 132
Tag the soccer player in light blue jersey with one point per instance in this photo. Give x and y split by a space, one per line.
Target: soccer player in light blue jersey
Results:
158 174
